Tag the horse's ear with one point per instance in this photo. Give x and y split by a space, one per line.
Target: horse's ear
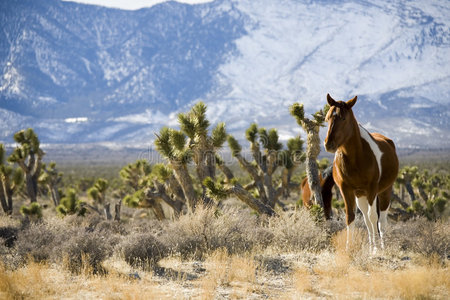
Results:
330 100
351 102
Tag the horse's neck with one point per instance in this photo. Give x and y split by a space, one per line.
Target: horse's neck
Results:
352 149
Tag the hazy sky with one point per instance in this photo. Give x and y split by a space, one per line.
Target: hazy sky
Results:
132 4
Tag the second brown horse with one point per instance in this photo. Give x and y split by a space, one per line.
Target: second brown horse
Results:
326 187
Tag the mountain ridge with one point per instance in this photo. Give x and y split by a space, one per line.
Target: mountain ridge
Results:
82 73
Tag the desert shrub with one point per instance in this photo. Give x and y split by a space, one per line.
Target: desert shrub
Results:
337 223
420 236
8 234
108 228
142 250
298 230
85 251
207 230
262 236
3 249
145 225
89 222
95 222
56 240
38 240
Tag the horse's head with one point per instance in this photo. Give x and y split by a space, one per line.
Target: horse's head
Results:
340 123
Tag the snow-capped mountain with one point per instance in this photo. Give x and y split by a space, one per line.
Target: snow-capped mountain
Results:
81 73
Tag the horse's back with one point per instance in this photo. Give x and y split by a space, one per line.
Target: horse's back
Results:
389 160
379 138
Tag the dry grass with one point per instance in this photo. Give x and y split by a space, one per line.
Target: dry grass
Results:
235 273
43 281
237 277
411 282
354 273
223 255
303 281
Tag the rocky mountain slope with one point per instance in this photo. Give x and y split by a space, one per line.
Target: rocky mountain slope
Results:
81 73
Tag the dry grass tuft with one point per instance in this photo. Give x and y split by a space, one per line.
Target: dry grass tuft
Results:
237 273
297 230
409 283
357 249
303 280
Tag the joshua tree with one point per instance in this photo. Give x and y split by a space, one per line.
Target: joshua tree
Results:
172 145
195 126
134 175
165 187
191 143
422 185
51 178
261 170
28 156
70 204
432 190
294 155
148 187
11 178
312 128
405 178
32 212
98 193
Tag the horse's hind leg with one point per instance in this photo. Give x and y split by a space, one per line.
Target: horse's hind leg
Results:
383 202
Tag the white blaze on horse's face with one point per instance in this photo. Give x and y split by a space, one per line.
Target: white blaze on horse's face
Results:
337 129
373 146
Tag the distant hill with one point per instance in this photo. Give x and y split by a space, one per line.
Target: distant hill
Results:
81 73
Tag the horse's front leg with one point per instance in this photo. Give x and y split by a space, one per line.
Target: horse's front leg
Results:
350 206
368 206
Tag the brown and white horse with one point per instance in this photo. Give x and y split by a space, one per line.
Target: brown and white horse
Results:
365 167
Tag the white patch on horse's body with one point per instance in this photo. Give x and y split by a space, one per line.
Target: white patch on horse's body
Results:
373 145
